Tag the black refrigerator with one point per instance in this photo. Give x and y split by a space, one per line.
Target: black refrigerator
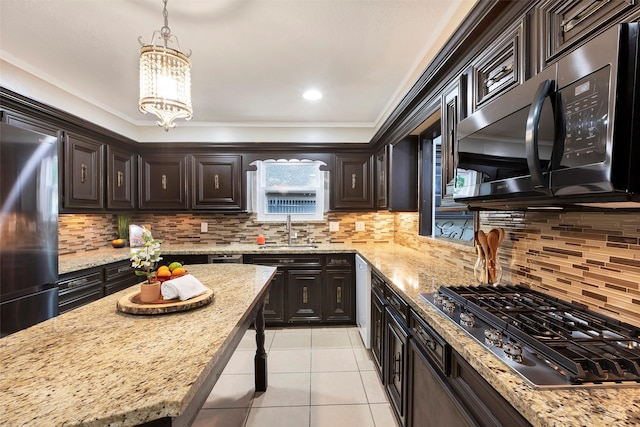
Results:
28 228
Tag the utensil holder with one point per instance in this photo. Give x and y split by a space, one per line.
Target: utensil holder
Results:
487 274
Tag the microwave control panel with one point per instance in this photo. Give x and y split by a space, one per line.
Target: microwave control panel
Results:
585 104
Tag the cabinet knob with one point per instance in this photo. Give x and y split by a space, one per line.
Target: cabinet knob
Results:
570 23
305 295
339 295
120 179
163 181
353 181
506 69
216 182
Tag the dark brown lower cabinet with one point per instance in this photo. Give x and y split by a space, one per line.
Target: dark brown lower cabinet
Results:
377 331
430 400
305 295
79 288
482 401
395 363
339 295
119 276
274 301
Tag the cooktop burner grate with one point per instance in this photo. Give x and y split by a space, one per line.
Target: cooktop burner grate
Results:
582 345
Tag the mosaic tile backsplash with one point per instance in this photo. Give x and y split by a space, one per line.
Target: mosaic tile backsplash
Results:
589 258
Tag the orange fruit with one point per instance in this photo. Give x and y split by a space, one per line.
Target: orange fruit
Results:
178 271
163 272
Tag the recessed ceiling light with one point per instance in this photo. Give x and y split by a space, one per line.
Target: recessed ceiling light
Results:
312 95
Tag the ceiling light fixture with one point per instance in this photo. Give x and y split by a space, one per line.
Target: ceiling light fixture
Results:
165 77
312 95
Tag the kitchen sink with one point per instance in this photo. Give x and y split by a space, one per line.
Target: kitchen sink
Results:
294 247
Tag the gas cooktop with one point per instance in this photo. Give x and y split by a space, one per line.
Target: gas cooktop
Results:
549 342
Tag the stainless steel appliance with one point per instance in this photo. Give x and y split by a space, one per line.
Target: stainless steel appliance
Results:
28 228
549 342
363 300
570 135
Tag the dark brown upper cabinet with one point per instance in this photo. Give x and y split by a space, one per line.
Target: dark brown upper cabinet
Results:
217 182
83 172
382 176
499 68
163 181
403 175
352 187
565 23
120 178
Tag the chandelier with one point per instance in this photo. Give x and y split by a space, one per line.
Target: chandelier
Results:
165 77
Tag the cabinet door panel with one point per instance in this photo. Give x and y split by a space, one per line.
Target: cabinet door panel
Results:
217 182
395 363
83 171
382 174
353 183
120 174
274 301
304 288
163 182
339 298
377 332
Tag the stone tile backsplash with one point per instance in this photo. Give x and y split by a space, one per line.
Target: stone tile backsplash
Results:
589 258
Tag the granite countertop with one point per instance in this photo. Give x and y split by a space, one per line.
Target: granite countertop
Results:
95 366
411 272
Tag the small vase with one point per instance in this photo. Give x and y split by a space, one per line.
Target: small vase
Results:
149 292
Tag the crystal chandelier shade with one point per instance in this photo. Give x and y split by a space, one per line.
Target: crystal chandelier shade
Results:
165 79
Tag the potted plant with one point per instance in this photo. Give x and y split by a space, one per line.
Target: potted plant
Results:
144 260
123 232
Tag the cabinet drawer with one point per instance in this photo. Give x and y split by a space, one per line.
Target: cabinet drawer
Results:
79 290
430 342
397 303
340 261
377 286
565 23
499 69
289 260
115 271
70 283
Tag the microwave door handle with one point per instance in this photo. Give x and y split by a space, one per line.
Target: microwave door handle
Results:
531 134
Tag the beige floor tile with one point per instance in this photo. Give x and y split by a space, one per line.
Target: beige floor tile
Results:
221 417
295 416
330 338
356 339
372 387
333 360
383 415
280 361
241 362
232 391
363 359
341 415
295 339
285 390
337 388
248 341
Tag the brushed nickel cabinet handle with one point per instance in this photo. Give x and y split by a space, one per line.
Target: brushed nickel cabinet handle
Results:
353 181
305 295
582 14
339 295
506 69
83 173
123 269
216 182
120 179
164 182
266 299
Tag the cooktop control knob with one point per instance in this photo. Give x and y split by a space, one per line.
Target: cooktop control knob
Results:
493 337
439 299
449 306
467 319
513 351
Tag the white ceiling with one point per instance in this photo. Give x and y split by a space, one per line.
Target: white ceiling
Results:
251 62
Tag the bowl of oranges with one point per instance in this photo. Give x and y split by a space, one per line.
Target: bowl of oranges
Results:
171 271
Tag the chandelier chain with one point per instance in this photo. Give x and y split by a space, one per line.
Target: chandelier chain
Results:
165 30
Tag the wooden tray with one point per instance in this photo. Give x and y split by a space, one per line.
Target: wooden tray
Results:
131 304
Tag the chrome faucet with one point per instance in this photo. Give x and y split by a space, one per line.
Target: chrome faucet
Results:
289 228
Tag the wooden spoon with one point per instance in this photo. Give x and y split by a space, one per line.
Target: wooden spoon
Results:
477 273
493 241
482 239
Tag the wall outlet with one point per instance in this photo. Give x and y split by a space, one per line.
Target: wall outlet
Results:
204 227
359 226
334 226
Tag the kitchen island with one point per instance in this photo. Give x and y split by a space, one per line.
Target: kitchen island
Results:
96 366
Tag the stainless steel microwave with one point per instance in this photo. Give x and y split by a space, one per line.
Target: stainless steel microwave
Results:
569 136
